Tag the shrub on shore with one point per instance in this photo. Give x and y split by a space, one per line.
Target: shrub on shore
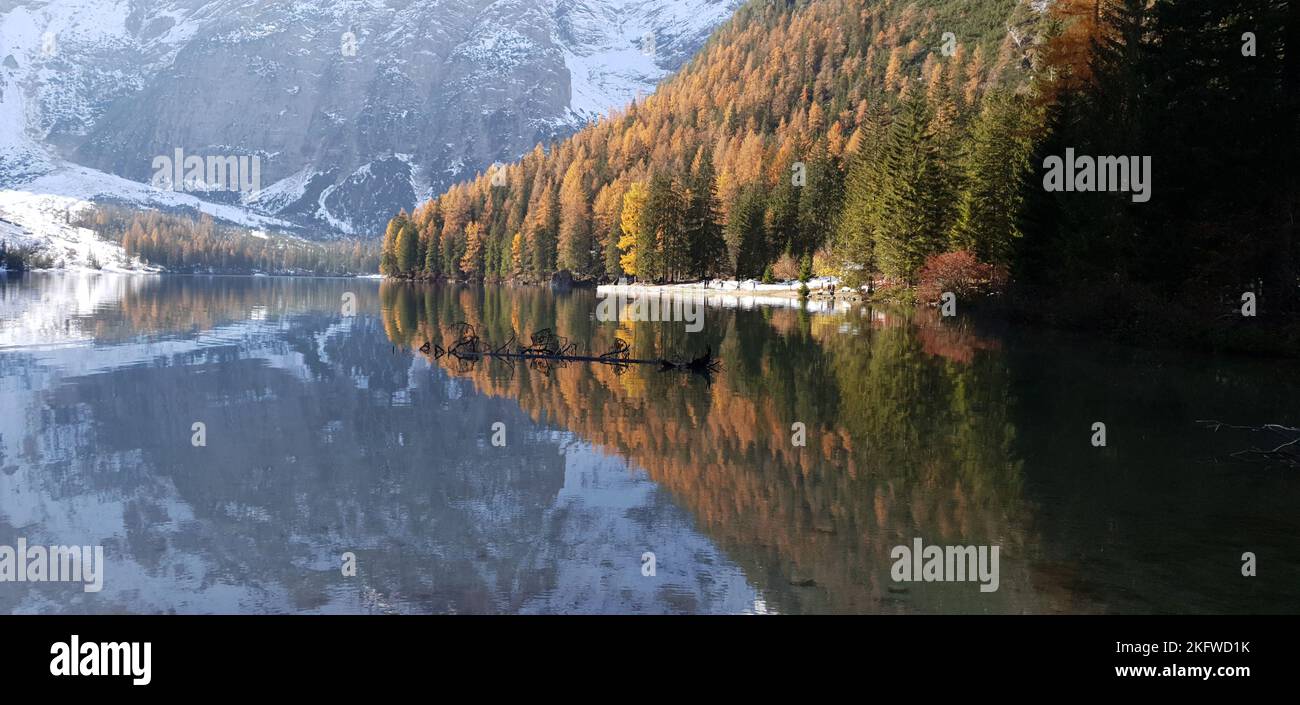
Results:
962 274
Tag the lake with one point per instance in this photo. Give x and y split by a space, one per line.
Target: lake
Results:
338 468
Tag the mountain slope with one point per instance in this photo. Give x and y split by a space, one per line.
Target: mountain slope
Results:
354 107
763 125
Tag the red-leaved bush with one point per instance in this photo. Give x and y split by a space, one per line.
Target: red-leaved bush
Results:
962 274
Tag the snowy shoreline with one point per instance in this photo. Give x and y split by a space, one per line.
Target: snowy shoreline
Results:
732 293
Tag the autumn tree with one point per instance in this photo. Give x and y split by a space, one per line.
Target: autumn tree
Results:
472 262
407 248
636 235
575 222
607 216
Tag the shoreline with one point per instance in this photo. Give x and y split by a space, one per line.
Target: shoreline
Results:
732 293
84 271
776 294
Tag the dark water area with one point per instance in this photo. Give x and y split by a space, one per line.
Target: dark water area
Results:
329 432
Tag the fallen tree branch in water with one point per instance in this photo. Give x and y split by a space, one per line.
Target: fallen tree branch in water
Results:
1288 453
547 347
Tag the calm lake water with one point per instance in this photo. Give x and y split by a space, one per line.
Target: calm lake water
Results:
328 434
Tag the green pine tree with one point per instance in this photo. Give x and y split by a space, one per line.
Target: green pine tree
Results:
912 219
996 165
746 234
703 232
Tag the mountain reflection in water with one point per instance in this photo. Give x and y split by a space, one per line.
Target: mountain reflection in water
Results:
329 434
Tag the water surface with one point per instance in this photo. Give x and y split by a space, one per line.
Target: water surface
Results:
330 434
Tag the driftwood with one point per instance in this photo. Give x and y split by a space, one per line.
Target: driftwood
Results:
547 349
1287 453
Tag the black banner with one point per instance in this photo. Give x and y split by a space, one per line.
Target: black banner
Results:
218 654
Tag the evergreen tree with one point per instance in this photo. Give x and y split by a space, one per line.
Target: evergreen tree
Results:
782 217
746 235
665 216
545 231
912 218
819 205
432 244
996 165
863 204
703 231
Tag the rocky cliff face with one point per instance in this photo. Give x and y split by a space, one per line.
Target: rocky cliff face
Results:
353 108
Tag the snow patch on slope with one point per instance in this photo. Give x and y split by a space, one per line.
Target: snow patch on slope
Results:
618 50
282 193
608 80
43 223
45 207
88 184
323 212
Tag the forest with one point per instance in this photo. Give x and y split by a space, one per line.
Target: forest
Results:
901 146
186 243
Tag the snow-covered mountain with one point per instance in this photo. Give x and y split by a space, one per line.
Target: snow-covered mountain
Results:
352 109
